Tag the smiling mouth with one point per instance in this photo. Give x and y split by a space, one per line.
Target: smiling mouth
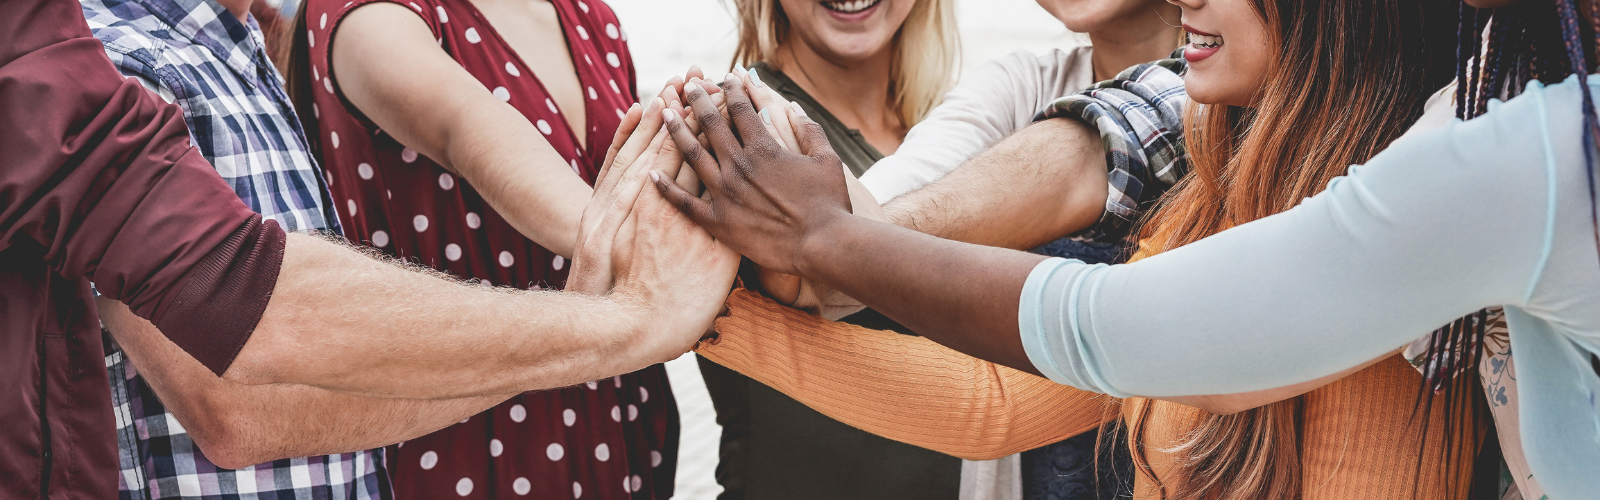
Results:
850 6
1204 41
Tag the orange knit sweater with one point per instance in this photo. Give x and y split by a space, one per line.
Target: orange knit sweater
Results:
1359 440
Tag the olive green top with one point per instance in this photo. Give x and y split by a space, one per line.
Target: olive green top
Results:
847 142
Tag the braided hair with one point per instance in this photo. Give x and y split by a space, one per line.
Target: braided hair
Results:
1527 41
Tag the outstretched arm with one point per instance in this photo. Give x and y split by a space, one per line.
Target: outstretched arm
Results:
238 425
1043 182
1227 307
388 64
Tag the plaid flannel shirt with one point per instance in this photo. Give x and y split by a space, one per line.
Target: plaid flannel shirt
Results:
198 55
1139 116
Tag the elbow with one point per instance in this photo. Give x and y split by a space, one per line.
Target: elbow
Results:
223 438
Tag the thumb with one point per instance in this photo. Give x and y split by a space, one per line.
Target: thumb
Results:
697 209
813 141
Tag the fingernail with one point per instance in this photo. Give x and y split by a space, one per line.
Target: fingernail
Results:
675 104
730 79
738 67
795 107
766 117
655 176
634 107
655 104
756 78
667 115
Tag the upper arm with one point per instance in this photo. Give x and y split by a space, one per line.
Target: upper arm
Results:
388 64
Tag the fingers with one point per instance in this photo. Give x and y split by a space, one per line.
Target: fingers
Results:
742 112
625 129
649 125
698 159
809 136
713 126
697 209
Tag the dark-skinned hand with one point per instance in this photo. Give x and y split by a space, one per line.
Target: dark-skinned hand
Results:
763 201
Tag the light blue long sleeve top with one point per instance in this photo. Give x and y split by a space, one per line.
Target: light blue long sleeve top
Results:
1494 211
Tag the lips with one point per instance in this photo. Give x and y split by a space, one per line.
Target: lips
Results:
850 6
1202 45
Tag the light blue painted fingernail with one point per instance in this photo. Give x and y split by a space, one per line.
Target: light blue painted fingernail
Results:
766 117
738 67
756 78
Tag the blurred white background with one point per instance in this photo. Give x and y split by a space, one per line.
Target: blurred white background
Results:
667 36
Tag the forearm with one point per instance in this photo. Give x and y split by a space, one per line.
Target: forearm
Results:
904 388
961 295
238 425
1044 182
519 175
345 321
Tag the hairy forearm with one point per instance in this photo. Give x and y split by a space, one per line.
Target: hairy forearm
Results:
960 295
1044 182
239 425
349 322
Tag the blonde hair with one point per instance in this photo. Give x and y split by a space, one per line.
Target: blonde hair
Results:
925 48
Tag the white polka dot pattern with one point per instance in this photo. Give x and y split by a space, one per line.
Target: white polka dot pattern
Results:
616 413
555 451
364 170
644 395
584 6
502 94
506 260
380 239
521 486
544 127
429 460
447 181
602 452
327 85
611 31
518 413
577 490
613 60
558 262
592 94
512 69
569 417
552 105
352 204
420 222
335 137
633 413
408 155
464 486
452 252
496 448
615 88
443 18
655 458
583 33
472 35
473 221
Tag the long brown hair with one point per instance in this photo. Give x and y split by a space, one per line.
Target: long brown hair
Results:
1350 78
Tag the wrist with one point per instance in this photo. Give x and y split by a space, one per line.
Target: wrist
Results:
818 244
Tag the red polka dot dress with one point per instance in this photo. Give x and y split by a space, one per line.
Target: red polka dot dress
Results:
614 438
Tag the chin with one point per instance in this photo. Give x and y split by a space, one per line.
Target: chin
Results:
855 47
1206 91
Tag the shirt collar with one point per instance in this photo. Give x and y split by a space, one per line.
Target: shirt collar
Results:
209 24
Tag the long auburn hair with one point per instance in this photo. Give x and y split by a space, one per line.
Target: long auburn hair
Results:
926 50
1350 77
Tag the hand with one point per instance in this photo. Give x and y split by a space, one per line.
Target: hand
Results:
764 202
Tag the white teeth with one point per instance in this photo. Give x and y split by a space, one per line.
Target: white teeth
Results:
850 7
1205 42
